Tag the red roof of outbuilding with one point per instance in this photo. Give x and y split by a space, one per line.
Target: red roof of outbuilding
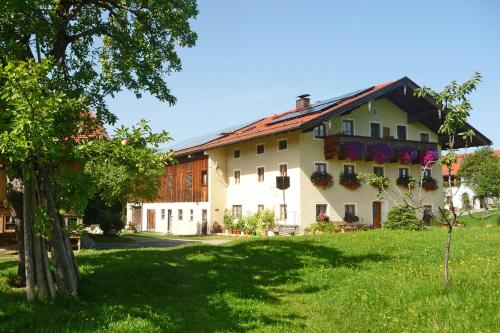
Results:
455 167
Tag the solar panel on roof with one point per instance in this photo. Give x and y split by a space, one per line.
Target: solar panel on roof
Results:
200 140
319 106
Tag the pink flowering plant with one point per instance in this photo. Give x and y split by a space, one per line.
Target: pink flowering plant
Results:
381 153
406 154
354 150
429 157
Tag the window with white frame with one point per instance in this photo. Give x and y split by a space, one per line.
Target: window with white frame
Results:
236 154
260 208
179 214
283 169
349 169
260 149
375 130
283 213
320 167
237 212
260 174
320 210
347 127
424 137
283 144
401 132
162 214
191 215
237 174
350 209
320 131
404 172
427 172
378 170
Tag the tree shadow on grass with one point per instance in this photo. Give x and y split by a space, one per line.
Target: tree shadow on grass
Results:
196 288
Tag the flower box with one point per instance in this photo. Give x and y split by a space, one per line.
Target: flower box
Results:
350 181
322 179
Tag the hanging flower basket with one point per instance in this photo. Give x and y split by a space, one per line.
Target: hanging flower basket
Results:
351 218
321 179
354 150
349 180
429 184
404 181
429 157
381 153
406 154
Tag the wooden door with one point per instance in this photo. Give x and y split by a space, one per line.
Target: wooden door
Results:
137 218
151 219
169 221
377 214
204 222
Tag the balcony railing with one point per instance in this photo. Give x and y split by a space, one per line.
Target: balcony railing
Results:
334 143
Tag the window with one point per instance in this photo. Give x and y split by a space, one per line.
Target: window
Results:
401 132
237 212
237 176
375 130
350 209
427 172
320 210
283 213
260 174
204 216
260 208
404 172
170 182
283 170
260 149
320 167
204 177
191 215
378 170
188 180
424 137
163 214
349 168
347 127
283 144
320 131
179 214
236 154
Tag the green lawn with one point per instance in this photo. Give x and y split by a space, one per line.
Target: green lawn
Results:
491 219
152 234
372 281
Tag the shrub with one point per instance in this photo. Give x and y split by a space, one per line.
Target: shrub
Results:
321 179
322 227
228 220
266 220
402 217
465 200
349 180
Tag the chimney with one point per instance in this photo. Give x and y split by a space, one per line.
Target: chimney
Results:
303 101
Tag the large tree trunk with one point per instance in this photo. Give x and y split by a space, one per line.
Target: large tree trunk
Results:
64 262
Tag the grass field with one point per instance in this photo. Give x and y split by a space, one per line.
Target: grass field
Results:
373 281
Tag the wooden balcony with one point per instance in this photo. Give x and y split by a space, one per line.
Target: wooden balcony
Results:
333 144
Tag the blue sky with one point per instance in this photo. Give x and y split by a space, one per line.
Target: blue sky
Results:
253 57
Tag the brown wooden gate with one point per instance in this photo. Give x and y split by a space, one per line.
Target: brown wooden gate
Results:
137 218
151 214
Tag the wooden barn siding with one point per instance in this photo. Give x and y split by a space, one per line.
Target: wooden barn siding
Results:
179 192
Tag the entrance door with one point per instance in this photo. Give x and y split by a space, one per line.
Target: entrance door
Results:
204 222
151 219
377 214
137 218
169 221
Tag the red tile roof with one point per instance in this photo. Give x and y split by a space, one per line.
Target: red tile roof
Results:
455 167
263 127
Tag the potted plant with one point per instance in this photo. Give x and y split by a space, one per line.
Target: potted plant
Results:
354 150
429 184
266 222
351 218
349 180
406 154
228 222
321 179
322 217
405 181
380 152
429 157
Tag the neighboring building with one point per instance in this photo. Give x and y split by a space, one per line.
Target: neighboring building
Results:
236 169
458 190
